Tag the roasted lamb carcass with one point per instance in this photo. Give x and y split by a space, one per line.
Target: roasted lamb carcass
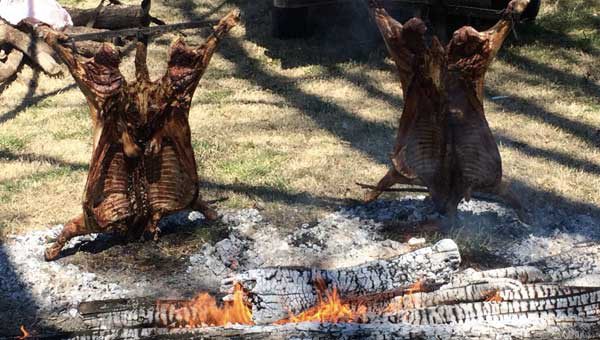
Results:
143 164
444 141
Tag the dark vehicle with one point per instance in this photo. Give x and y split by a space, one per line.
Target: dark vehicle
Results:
291 17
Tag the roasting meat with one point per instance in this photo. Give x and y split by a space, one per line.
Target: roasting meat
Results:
142 165
444 141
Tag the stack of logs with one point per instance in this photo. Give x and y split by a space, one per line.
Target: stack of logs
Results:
516 302
19 41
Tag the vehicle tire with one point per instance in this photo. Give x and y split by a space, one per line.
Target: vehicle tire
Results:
290 22
531 11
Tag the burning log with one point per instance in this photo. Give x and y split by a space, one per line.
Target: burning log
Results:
143 165
276 292
519 309
522 329
444 141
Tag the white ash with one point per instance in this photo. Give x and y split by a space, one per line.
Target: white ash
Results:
53 287
337 240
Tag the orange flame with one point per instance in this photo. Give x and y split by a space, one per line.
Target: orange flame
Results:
330 308
25 333
494 296
203 311
416 287
399 303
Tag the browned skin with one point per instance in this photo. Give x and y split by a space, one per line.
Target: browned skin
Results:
444 141
142 165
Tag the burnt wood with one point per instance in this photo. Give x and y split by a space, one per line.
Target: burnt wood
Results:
523 329
509 302
444 142
142 166
275 292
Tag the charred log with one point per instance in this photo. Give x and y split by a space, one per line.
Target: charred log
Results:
517 330
497 303
143 165
276 292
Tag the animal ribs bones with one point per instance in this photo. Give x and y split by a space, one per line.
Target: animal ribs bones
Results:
143 165
444 141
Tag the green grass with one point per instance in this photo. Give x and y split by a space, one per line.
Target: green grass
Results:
253 165
12 143
8 189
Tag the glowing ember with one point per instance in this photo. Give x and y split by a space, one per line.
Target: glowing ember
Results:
416 287
330 308
399 303
25 333
494 296
204 311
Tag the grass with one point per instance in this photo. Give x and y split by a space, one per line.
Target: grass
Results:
289 126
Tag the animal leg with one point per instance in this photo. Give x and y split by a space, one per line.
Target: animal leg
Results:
75 227
209 213
392 177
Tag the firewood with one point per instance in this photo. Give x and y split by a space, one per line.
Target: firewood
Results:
295 288
276 292
10 65
523 329
544 303
37 50
111 17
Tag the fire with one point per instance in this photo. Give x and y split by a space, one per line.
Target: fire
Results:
400 303
330 308
25 333
416 287
494 296
204 311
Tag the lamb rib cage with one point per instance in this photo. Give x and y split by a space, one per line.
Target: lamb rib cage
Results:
142 165
444 141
